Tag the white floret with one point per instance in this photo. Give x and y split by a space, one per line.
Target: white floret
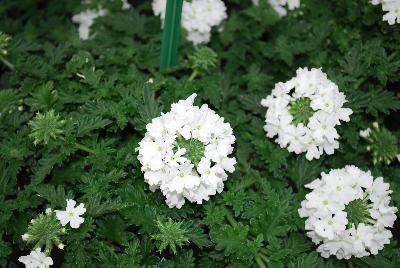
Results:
281 6
85 19
392 9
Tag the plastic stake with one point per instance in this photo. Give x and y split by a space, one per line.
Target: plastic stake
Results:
171 35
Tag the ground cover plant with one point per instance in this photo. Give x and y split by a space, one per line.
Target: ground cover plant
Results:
73 112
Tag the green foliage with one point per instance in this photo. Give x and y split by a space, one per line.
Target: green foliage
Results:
382 144
170 234
89 103
203 61
44 231
46 126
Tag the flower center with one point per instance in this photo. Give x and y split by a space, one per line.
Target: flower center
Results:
301 110
357 212
194 149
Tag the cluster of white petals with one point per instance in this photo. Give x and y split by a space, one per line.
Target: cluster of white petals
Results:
337 200
281 6
85 19
36 259
167 166
324 104
392 7
71 214
198 17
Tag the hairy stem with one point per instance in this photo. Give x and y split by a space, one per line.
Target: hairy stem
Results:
230 218
259 262
7 63
193 75
84 148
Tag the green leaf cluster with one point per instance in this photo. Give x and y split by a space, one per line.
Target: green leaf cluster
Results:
86 105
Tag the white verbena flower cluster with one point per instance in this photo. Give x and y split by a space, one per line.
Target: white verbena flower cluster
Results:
392 7
36 259
185 153
304 111
348 213
85 19
71 215
280 5
198 17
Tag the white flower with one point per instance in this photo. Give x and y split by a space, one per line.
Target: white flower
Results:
25 237
125 4
305 120
280 5
392 7
185 153
365 133
36 259
85 19
71 214
348 212
198 17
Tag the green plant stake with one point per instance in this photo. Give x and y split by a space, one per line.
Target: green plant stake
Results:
172 29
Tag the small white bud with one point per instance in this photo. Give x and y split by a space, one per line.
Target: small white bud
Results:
61 246
375 124
48 210
81 75
20 108
365 133
150 81
25 237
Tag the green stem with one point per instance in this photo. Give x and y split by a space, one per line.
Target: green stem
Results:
350 263
263 257
391 56
153 72
193 75
260 262
230 218
7 63
84 148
